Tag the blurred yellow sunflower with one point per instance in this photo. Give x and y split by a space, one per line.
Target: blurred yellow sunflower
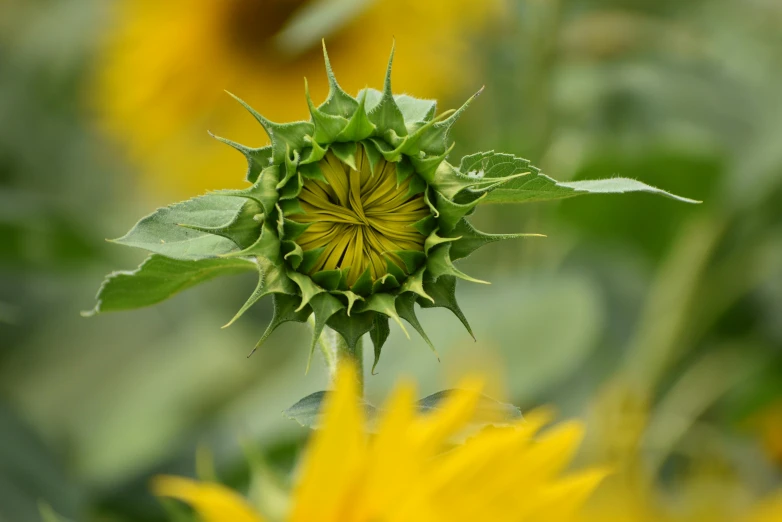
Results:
708 491
768 426
165 65
409 471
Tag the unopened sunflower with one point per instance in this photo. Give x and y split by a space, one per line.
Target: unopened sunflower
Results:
352 218
409 470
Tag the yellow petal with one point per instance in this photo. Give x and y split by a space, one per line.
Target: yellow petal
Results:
334 457
213 502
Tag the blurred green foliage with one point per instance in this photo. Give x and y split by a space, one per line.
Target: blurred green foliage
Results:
683 302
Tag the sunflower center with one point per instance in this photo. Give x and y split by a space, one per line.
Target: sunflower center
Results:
361 218
252 24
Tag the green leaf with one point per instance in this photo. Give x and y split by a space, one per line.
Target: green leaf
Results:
615 186
443 293
243 230
471 239
538 187
159 278
495 165
307 411
161 232
488 410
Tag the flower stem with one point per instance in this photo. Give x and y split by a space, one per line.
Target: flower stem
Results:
335 350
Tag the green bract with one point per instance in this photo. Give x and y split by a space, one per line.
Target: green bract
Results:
352 218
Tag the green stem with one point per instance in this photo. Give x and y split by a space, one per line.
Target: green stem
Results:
335 350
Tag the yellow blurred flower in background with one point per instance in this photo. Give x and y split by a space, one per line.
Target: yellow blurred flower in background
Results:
768 425
162 75
410 470
709 489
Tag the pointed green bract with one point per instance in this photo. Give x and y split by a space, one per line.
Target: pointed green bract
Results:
379 335
286 309
471 239
270 281
443 295
380 149
257 159
351 328
338 102
382 303
405 307
323 306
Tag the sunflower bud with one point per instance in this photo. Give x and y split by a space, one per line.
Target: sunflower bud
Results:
353 217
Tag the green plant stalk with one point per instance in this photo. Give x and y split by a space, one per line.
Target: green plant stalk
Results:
335 350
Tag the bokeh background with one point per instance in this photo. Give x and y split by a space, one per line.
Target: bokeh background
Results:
658 323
